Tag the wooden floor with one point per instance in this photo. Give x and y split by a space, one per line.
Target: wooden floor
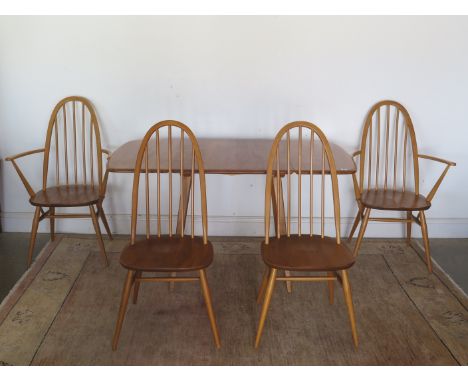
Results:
63 313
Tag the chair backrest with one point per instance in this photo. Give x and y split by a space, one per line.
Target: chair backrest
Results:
388 149
169 147
301 147
73 145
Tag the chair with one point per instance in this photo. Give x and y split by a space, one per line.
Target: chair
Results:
389 173
305 251
162 155
76 154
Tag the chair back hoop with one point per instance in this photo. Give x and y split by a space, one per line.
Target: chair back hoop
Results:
387 138
73 137
311 157
161 164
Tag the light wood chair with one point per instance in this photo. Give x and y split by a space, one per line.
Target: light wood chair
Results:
73 148
160 153
389 173
304 251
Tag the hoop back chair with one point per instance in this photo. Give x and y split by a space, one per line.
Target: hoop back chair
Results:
389 172
163 153
72 173
304 251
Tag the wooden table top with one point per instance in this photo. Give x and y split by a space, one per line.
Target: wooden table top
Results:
231 156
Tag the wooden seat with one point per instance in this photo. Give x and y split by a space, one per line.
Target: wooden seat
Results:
73 161
174 252
389 173
303 251
167 254
394 200
66 196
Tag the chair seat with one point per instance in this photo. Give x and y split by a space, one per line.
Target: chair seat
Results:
167 254
394 200
66 196
305 253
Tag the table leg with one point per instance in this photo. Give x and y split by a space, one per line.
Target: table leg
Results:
182 214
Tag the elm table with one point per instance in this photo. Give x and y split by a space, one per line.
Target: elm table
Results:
228 156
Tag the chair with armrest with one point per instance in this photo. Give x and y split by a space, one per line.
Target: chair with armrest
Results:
389 173
73 149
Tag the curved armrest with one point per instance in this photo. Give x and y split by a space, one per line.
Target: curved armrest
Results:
26 153
430 157
107 152
447 163
18 170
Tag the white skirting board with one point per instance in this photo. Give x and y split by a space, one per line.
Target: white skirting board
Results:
238 225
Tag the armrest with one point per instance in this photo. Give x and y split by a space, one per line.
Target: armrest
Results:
18 170
356 153
107 152
26 153
430 157
447 163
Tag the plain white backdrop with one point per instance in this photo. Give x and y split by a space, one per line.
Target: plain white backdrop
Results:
236 76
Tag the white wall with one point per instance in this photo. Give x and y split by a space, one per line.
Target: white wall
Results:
236 76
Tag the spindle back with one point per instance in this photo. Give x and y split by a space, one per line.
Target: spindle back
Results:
388 149
73 145
169 147
309 155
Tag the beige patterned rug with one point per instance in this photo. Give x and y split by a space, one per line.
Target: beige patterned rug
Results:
63 312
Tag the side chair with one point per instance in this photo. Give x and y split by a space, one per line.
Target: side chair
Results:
161 155
309 251
389 173
73 153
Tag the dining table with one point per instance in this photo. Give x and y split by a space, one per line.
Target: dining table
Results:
231 156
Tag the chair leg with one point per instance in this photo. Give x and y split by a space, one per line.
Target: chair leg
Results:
361 231
263 285
426 241
136 287
357 219
288 283
103 217
98 234
123 307
266 304
409 216
209 307
32 240
331 288
349 304
172 283
52 223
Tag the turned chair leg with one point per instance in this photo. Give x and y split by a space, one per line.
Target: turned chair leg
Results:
426 241
361 231
409 216
266 304
331 288
261 291
52 223
209 307
349 304
32 240
98 235
123 308
136 287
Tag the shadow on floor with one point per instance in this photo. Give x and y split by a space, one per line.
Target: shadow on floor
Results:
14 257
